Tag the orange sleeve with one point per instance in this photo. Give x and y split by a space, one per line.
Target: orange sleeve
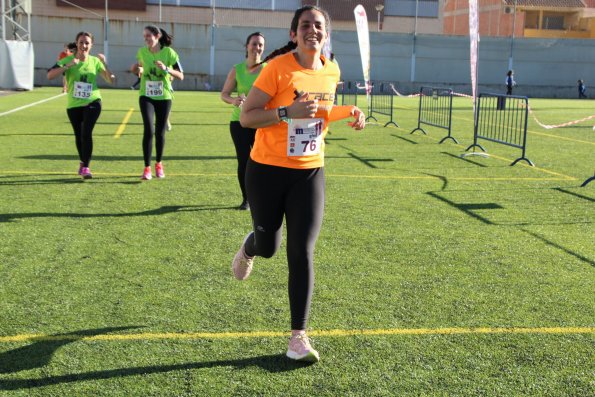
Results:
267 80
340 112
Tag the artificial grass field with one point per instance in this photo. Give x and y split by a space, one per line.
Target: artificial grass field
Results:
435 275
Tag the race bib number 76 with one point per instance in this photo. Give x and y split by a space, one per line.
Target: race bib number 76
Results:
304 136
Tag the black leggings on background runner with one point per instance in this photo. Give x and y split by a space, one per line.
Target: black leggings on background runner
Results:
160 109
297 194
243 140
83 121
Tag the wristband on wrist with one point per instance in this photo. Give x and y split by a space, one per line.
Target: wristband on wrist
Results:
166 70
282 113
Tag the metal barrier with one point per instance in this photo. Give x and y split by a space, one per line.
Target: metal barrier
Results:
502 119
349 91
435 109
381 101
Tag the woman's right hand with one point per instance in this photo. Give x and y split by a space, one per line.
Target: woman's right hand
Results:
239 100
302 108
72 63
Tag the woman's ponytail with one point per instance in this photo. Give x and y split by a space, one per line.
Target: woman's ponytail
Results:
280 51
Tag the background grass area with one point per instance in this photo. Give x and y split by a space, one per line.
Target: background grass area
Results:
414 237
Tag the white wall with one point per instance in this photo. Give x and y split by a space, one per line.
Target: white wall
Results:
543 67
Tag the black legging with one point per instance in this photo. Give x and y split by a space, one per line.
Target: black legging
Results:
83 121
243 140
297 194
159 108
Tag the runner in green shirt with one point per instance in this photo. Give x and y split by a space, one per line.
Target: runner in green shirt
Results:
240 79
84 99
157 64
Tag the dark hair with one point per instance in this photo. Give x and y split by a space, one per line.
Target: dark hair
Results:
294 27
165 40
250 37
71 46
509 73
79 34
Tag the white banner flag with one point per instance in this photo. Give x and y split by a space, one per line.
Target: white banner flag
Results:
363 37
474 43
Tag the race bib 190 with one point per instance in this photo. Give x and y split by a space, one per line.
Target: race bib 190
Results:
304 137
82 90
154 88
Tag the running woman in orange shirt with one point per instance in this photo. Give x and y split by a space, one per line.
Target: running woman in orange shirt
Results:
291 105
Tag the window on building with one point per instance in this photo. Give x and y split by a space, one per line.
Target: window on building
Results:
406 8
553 22
284 5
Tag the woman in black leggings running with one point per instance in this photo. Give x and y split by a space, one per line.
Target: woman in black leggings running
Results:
84 99
240 78
155 64
291 104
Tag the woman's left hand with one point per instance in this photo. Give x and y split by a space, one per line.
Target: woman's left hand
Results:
160 65
101 58
360 119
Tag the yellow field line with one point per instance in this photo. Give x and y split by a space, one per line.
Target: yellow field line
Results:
566 177
561 137
122 126
355 176
274 334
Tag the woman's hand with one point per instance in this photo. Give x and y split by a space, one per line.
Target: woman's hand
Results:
160 65
302 108
360 119
239 100
102 58
74 61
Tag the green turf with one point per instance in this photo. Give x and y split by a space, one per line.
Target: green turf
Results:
414 237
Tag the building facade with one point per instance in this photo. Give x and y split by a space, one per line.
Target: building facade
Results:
526 18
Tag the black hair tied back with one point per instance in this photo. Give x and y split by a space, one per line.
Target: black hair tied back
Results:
165 40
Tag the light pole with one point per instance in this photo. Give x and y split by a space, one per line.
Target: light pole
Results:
512 35
414 41
105 21
212 61
379 8
106 41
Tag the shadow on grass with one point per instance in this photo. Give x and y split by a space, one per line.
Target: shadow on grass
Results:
405 139
139 158
273 363
40 353
73 180
574 194
469 208
174 124
558 246
367 161
166 209
463 159
442 178
40 134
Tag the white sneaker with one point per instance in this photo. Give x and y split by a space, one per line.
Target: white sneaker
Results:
299 349
242 263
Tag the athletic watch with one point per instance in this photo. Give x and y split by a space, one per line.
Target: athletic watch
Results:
282 113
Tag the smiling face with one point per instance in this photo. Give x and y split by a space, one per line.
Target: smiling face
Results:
151 39
255 47
311 33
84 43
